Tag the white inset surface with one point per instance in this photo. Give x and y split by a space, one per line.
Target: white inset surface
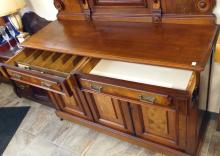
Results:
147 74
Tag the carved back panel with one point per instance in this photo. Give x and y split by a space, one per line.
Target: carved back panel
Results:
157 11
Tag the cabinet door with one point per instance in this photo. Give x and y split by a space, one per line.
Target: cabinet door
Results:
155 123
75 104
110 112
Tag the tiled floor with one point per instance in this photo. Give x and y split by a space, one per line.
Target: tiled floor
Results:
43 134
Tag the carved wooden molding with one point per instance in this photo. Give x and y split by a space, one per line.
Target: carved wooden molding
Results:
87 10
59 5
203 5
157 13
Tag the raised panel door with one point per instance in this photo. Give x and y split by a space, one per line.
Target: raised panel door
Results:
110 112
155 123
75 105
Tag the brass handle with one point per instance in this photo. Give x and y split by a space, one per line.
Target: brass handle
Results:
45 84
96 88
17 76
148 99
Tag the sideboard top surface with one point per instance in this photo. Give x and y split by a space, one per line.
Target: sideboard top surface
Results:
171 45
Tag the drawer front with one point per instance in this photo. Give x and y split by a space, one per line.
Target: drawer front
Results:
55 85
127 93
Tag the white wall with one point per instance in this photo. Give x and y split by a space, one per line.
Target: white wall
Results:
217 11
43 8
214 99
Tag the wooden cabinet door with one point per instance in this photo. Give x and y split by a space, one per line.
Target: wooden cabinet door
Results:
155 123
75 104
110 112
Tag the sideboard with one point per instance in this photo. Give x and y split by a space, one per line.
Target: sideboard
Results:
137 70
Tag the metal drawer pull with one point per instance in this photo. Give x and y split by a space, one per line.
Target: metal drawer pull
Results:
17 76
45 84
148 99
96 88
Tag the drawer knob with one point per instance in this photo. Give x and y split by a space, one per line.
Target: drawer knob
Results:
45 84
96 88
17 76
148 99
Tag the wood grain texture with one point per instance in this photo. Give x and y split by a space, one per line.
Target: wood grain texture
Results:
171 45
156 124
110 112
158 11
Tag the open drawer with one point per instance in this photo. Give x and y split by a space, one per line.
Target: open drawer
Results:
135 82
43 69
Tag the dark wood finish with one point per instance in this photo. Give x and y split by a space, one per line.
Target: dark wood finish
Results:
32 93
166 45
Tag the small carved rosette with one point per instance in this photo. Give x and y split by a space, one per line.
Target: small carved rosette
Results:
59 5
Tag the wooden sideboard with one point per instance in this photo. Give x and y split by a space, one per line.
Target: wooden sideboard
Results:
92 60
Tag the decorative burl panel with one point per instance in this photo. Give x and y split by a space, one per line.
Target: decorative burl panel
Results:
155 120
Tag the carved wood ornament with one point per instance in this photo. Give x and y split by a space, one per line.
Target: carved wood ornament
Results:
203 5
156 11
59 5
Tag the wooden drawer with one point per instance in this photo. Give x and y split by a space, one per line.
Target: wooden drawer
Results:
128 90
43 69
124 92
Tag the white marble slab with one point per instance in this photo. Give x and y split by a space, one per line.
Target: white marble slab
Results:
147 74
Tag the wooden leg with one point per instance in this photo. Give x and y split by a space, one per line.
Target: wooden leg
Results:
218 122
16 89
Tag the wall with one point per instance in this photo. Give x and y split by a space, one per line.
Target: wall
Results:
214 99
43 8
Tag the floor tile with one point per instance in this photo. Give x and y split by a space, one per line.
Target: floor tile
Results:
18 143
36 119
41 147
214 147
108 146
